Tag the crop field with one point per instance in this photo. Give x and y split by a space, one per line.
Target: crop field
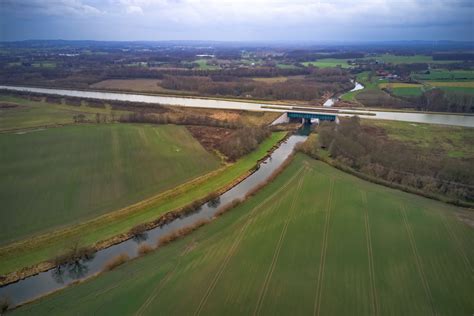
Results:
403 89
445 75
33 250
396 59
328 63
59 176
30 114
203 64
407 92
139 85
457 84
314 241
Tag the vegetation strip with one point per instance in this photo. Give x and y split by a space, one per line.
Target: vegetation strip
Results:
419 265
370 254
250 218
276 253
456 241
322 262
161 284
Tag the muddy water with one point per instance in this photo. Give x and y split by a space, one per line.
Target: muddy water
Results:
38 285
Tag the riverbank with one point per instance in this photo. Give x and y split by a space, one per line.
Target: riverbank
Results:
32 256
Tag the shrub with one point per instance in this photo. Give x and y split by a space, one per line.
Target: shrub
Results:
166 239
116 261
138 229
74 254
144 249
4 305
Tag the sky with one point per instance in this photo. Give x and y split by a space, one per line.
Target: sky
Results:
238 20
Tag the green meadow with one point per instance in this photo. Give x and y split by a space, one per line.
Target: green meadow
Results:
328 63
60 176
314 241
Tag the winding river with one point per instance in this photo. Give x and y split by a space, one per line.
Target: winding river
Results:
331 101
414 117
57 278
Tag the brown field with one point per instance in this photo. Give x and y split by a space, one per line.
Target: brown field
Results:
277 79
138 85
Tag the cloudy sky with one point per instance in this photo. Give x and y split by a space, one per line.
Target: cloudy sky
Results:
236 20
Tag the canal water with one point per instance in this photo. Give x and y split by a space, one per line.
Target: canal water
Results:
43 283
414 117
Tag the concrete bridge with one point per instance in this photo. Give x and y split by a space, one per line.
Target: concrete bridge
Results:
306 117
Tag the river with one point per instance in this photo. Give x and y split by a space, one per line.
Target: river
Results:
414 117
55 279
331 101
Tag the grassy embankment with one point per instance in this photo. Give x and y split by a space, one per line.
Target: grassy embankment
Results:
62 176
314 241
38 249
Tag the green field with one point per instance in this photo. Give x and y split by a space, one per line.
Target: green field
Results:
203 64
60 176
31 114
34 250
396 59
328 63
445 75
315 241
407 92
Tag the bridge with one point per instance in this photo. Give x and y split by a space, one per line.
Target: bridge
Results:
309 116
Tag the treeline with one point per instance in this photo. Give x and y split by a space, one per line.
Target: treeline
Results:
311 87
142 72
437 100
243 141
396 162
178 119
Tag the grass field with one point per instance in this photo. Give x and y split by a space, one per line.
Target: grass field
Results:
441 139
395 59
445 75
41 248
138 85
328 63
403 89
315 241
203 64
61 176
31 114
